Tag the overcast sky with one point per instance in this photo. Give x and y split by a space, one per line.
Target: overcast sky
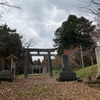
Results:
38 19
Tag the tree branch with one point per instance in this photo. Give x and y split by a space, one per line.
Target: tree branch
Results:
10 5
97 3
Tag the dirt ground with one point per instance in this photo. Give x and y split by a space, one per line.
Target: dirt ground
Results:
42 87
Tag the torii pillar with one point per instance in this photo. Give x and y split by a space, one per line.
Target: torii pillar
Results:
50 65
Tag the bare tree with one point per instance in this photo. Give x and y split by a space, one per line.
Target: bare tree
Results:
90 7
28 42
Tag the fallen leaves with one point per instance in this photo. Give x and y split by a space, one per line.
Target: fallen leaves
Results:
46 88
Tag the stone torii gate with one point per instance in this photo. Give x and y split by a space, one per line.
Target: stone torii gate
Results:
27 50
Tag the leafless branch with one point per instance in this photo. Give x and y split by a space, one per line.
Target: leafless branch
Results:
97 3
90 8
29 42
6 4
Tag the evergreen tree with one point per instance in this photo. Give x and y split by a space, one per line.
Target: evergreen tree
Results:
10 42
73 33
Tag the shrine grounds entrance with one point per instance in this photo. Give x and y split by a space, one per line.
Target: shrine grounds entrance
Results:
38 53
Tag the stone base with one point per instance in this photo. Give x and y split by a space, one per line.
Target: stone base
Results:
66 74
65 79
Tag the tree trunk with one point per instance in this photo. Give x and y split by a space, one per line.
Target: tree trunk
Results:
82 61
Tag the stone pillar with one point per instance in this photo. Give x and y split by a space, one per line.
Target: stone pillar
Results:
50 65
65 61
44 71
66 74
32 69
39 69
97 51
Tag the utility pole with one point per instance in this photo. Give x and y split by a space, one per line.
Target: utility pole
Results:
82 61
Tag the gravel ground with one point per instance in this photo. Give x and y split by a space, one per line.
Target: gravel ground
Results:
41 87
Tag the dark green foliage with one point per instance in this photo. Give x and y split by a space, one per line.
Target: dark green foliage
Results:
10 42
73 33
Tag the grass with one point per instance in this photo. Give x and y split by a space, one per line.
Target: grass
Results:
20 76
84 72
91 70
55 72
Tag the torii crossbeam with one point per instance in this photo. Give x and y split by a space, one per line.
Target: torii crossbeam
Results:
27 50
